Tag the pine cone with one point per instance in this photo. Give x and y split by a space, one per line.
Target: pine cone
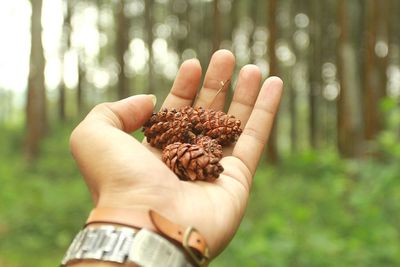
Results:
191 162
209 145
192 140
166 127
170 125
216 124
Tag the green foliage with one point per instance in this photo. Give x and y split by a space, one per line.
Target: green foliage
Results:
315 209
388 140
42 204
319 210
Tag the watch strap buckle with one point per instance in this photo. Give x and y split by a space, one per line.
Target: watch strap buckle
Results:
175 232
198 259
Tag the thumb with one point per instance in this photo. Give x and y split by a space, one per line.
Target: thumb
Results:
127 114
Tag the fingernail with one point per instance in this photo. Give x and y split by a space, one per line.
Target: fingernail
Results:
153 99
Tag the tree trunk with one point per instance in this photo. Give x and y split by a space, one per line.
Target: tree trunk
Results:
66 47
382 58
203 41
122 45
374 83
394 41
292 83
315 67
61 102
329 51
36 119
272 149
182 41
81 85
149 23
254 7
393 25
349 116
394 29
217 27
234 17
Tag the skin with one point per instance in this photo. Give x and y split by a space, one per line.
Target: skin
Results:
122 172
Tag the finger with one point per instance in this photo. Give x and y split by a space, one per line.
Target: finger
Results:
185 86
128 114
246 92
251 142
219 71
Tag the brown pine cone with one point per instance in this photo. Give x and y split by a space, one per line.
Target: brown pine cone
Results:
171 125
216 124
166 127
191 162
209 145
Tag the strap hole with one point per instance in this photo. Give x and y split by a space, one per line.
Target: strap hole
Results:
198 240
179 232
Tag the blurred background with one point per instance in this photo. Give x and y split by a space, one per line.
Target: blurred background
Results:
327 192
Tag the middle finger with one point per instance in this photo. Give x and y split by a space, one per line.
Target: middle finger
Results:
218 73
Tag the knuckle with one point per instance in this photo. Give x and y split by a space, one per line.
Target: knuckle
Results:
255 134
101 107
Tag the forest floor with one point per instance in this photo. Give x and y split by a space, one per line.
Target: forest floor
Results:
314 209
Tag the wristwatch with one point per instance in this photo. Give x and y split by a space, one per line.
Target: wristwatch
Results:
120 244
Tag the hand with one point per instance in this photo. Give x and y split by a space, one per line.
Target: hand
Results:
122 172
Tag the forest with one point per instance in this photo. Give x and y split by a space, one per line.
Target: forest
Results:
327 191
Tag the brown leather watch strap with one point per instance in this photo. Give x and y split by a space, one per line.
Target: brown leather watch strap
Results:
191 240
189 237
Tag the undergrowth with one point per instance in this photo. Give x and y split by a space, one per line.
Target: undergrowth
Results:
314 209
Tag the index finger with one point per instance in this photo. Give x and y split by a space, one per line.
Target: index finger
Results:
185 86
255 134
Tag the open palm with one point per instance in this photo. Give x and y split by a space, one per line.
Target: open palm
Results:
122 172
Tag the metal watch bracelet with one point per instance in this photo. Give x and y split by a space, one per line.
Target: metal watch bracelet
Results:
124 245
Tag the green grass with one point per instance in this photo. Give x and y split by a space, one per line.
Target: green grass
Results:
320 210
42 205
315 209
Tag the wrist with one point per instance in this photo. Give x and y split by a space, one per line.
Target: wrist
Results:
187 238
136 218
93 263
130 237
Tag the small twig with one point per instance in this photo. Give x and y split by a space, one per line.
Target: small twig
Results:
223 86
